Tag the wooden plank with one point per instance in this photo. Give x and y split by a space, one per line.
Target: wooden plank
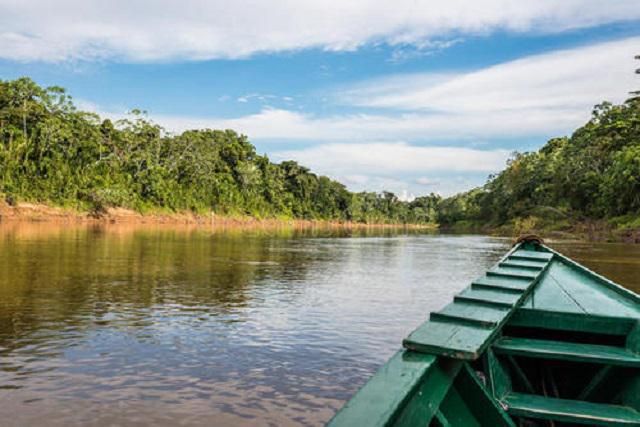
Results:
513 272
387 392
570 411
531 255
521 265
539 264
502 283
488 303
499 288
472 300
574 352
490 295
459 320
478 312
447 339
577 322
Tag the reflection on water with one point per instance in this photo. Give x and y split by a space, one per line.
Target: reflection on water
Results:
119 326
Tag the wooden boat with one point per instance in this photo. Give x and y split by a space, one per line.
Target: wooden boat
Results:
538 341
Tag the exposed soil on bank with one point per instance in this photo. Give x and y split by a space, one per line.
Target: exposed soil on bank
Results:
36 212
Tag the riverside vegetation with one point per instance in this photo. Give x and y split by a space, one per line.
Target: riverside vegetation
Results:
591 178
53 153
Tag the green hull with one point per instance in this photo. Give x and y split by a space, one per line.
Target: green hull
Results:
539 340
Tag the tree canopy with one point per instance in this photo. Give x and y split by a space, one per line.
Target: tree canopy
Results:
593 174
52 152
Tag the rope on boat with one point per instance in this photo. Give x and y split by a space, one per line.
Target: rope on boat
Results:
533 238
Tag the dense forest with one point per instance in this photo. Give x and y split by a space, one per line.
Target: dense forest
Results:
592 175
53 153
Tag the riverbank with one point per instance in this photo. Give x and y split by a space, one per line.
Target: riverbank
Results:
38 212
621 229
624 230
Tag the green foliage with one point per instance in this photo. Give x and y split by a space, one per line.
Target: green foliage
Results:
51 152
594 174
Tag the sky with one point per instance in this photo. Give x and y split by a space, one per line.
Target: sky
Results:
410 96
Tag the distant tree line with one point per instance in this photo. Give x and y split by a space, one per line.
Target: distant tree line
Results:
52 152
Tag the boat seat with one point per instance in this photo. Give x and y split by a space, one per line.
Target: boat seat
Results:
497 282
569 411
488 296
560 350
524 263
531 255
513 273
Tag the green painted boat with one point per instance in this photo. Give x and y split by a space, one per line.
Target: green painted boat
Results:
539 340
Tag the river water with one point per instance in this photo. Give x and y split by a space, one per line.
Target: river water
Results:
122 326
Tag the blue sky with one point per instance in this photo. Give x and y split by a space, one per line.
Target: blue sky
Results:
412 97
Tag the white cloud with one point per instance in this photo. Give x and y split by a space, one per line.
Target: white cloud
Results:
356 179
381 166
394 157
541 95
282 125
150 30
562 80
89 106
427 182
262 98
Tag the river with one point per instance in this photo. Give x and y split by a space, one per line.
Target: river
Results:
170 326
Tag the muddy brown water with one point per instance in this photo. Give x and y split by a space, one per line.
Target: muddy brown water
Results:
136 326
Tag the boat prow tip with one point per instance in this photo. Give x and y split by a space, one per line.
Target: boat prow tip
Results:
529 238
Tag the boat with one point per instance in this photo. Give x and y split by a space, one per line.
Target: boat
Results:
539 340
